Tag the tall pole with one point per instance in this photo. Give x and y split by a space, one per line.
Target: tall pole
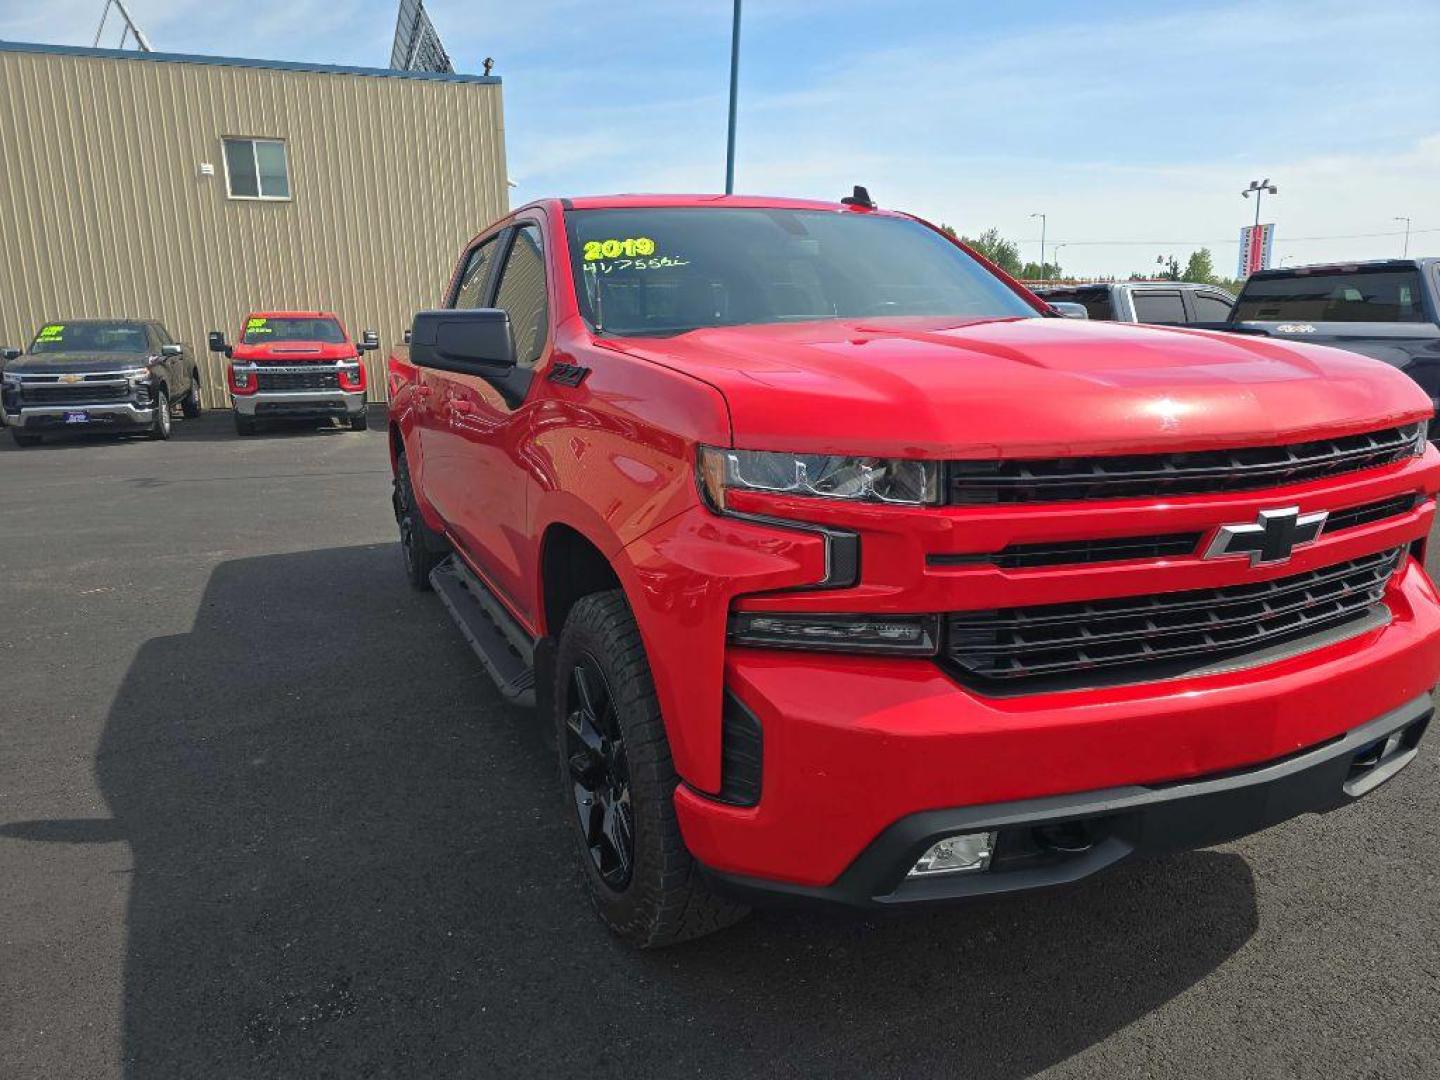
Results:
1259 194
1042 239
1405 250
734 93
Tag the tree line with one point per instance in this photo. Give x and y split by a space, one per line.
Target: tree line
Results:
1004 253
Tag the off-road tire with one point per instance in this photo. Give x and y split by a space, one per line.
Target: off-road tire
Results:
163 425
665 900
24 440
244 425
422 547
191 406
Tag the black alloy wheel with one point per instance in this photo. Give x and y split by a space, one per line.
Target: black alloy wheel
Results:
599 773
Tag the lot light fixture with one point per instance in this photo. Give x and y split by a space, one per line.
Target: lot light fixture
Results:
1259 187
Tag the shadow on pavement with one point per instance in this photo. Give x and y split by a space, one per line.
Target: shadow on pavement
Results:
349 860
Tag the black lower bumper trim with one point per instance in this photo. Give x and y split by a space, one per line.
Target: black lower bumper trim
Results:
1060 839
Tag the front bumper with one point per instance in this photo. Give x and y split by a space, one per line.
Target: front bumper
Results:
301 404
1060 839
854 745
114 415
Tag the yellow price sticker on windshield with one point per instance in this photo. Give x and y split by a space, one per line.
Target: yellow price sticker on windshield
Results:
613 249
51 333
255 324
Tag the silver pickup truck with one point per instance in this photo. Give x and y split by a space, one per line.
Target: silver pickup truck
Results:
119 375
1164 303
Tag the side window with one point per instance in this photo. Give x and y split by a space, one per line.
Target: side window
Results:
162 334
1159 307
1210 308
470 292
522 294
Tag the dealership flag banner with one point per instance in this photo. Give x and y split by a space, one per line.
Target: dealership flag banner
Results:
1256 242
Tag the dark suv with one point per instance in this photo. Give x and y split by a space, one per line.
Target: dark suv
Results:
98 374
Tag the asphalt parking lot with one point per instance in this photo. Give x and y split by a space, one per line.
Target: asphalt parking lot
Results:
261 814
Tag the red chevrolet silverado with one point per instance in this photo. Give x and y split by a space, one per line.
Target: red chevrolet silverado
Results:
846 572
295 365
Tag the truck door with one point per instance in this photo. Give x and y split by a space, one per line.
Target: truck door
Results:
438 464
1163 307
490 434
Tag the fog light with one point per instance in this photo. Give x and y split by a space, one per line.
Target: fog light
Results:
956 855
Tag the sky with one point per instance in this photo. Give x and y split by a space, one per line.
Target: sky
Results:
1132 126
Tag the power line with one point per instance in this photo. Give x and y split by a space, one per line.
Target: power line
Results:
1278 240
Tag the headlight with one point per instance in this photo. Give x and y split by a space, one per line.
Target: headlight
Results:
913 635
135 374
10 377
826 476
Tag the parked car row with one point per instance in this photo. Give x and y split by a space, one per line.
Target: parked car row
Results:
131 375
1163 303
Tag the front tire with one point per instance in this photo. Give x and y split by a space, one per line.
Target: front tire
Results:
422 547
160 429
191 406
360 423
619 780
244 425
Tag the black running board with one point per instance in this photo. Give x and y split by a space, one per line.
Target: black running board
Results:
502 645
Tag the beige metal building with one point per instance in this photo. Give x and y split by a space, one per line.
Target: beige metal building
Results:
193 189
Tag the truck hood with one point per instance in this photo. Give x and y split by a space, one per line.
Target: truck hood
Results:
1414 348
295 352
58 363
1027 387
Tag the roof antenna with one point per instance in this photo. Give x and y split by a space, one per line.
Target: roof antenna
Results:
861 197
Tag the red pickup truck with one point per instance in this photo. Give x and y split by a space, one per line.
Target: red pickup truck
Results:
846 572
297 365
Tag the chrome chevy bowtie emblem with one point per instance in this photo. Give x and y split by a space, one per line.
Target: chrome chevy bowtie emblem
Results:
69 378
1271 539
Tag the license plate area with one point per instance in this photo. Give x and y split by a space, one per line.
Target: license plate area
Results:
77 418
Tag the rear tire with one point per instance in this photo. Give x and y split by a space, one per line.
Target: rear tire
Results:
244 425
24 440
360 423
160 429
191 406
618 781
421 546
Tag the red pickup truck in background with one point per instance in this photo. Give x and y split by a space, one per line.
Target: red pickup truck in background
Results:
846 573
298 365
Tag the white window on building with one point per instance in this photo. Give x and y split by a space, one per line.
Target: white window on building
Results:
256 169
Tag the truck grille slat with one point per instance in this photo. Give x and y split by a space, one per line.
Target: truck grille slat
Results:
974 483
73 394
1073 640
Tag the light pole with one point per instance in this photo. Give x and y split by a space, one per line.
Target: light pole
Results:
1042 239
1259 187
734 93
1405 250
1055 254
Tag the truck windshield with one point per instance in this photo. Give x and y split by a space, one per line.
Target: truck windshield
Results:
1334 296
262 330
106 337
667 271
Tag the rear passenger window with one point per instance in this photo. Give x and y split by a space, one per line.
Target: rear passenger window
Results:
470 292
1159 307
1210 308
522 294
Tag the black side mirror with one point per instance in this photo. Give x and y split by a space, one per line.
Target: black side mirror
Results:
218 344
471 341
9 353
369 341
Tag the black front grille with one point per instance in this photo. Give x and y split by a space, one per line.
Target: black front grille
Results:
1200 472
72 394
322 378
1073 552
1136 637
1352 516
